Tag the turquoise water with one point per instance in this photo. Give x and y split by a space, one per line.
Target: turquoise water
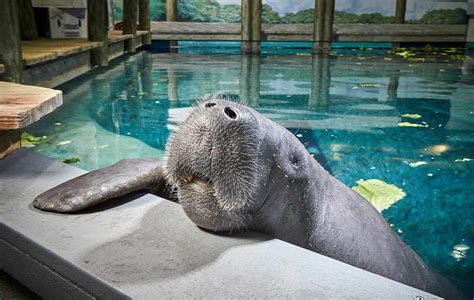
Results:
409 123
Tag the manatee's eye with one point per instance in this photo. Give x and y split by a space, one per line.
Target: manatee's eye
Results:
209 104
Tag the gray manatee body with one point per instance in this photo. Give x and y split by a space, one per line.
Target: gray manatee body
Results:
236 170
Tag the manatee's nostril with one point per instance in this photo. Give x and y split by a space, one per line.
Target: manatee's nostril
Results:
230 113
209 104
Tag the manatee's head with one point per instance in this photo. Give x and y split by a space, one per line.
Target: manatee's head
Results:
221 159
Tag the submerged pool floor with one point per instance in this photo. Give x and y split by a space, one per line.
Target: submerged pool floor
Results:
408 122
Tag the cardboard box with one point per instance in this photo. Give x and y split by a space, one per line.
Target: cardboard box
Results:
66 18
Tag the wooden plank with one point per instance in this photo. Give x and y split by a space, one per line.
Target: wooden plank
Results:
196 37
130 9
10 46
309 38
144 19
97 23
32 57
21 105
194 28
141 32
304 32
115 36
43 50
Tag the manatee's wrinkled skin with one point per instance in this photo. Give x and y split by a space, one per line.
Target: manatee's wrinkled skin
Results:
236 170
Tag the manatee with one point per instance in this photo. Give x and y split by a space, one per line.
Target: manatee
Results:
232 169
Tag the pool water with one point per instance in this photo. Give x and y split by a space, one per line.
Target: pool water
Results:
407 122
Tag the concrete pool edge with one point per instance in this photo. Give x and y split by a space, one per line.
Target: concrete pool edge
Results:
30 238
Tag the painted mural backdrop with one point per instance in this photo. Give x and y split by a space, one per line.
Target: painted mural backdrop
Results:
302 11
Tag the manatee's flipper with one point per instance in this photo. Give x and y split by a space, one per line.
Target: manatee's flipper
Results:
120 179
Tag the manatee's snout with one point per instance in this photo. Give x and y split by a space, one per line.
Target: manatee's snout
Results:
214 161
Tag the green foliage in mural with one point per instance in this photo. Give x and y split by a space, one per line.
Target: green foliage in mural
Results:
372 18
158 10
302 16
230 13
213 11
445 16
269 16
207 11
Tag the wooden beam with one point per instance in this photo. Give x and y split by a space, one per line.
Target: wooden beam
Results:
171 10
251 26
318 25
130 8
400 11
10 45
27 20
328 25
256 25
246 22
144 19
97 17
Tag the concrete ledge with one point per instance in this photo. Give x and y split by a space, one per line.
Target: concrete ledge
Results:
147 248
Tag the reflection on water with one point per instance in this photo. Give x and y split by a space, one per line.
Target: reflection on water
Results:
408 123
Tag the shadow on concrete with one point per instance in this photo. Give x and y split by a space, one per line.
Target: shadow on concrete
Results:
166 245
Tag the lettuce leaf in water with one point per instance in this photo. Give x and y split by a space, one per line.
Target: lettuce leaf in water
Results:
71 160
28 140
381 194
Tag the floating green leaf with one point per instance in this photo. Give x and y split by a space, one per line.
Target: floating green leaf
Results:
28 140
62 143
408 124
405 54
417 164
71 160
381 194
368 85
465 159
411 116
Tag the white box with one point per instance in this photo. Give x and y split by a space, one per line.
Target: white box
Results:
67 22
67 18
